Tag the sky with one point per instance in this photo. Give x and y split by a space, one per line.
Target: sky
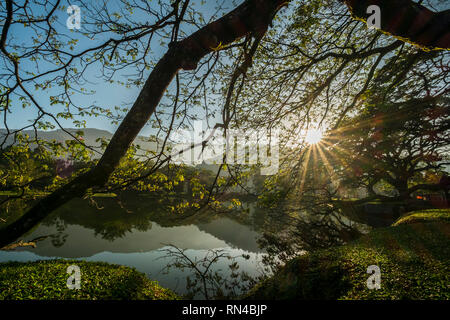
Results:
107 94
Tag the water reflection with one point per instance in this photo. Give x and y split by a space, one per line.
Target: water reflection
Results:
133 232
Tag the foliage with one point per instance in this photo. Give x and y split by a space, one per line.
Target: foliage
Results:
413 259
47 280
393 146
32 168
382 105
315 67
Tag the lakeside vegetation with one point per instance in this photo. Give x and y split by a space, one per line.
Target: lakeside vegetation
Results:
430 215
413 255
47 280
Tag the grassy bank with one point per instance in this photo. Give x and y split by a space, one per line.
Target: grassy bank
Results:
413 256
422 216
47 280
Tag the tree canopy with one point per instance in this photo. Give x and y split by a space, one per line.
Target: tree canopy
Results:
255 64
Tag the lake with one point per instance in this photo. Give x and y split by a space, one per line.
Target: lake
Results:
135 233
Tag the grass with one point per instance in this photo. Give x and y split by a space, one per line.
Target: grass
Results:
429 215
47 280
413 256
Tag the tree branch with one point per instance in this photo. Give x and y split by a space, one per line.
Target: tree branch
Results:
409 21
251 17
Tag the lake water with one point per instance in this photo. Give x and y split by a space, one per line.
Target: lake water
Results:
136 236
135 231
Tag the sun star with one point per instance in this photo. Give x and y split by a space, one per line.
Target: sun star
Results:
313 136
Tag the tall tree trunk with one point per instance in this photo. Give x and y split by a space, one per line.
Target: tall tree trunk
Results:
251 17
402 188
447 198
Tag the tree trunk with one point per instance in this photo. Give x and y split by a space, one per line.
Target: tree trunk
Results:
447 198
251 17
402 188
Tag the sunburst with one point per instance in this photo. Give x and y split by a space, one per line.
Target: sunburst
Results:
313 136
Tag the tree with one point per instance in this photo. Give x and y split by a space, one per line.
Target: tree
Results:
395 144
185 54
250 21
400 133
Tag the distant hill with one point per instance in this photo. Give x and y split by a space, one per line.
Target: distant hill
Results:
90 135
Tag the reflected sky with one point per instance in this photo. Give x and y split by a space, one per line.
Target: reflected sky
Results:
114 235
